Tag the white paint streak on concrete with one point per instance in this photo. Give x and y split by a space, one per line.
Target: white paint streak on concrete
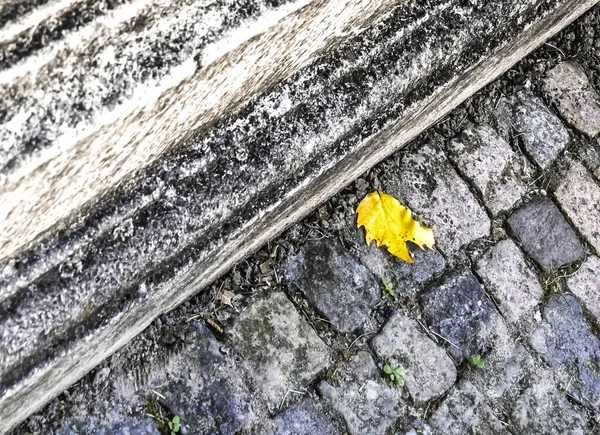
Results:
30 21
43 195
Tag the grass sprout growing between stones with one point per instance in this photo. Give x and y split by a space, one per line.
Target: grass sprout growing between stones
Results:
388 289
477 361
164 425
393 373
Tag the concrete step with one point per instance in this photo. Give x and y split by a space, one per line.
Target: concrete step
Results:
148 149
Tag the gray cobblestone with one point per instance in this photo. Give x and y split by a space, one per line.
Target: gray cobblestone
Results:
545 234
459 311
334 282
507 363
406 278
508 277
282 350
429 371
568 86
585 284
566 341
465 411
542 132
488 161
543 410
307 417
367 404
430 186
579 196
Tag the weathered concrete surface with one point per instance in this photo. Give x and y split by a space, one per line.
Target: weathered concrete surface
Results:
122 206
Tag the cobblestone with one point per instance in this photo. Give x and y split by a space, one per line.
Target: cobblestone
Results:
507 364
585 284
367 404
543 410
492 166
335 283
579 196
436 193
459 311
406 278
569 88
282 350
429 371
545 234
566 341
204 387
310 417
465 411
507 276
542 133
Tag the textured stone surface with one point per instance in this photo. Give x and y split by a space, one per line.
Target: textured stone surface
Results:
406 278
281 349
308 417
190 151
507 364
459 311
489 162
340 287
579 196
436 193
127 426
585 284
205 388
429 372
152 151
464 411
545 234
367 404
540 130
543 410
508 277
566 341
579 104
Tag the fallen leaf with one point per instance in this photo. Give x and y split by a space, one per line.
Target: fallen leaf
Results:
226 297
390 224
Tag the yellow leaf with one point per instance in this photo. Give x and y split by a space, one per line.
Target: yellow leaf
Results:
391 224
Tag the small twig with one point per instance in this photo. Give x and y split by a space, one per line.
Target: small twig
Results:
556 48
359 337
158 394
286 394
444 338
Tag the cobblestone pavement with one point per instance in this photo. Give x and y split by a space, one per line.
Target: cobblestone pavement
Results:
294 340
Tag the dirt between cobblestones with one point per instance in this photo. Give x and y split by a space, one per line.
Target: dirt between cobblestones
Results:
119 388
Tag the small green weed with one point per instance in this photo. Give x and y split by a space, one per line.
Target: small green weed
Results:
393 374
388 289
477 361
165 426
174 425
